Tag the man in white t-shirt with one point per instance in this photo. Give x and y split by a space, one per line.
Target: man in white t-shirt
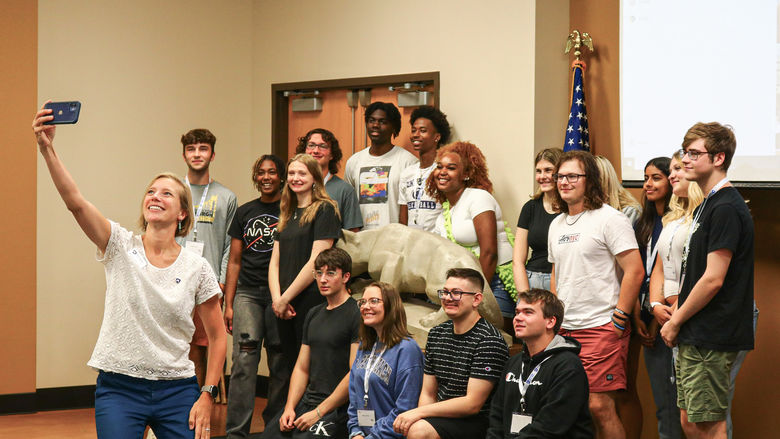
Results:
430 130
586 244
374 172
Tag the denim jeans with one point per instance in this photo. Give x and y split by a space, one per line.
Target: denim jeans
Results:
505 302
250 328
537 279
660 370
125 405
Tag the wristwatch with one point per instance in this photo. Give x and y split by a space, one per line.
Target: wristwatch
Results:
212 390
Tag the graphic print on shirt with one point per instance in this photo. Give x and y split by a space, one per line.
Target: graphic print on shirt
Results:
259 233
374 181
382 369
209 210
569 238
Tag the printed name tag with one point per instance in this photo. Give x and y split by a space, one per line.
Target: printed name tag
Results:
195 246
519 421
366 418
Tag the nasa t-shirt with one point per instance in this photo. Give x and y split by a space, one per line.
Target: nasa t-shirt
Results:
255 225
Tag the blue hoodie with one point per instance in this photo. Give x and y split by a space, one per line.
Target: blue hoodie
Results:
393 387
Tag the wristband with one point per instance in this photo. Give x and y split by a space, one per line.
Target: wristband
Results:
318 412
622 328
620 311
619 317
654 304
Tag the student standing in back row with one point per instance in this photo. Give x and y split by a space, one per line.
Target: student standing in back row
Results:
375 172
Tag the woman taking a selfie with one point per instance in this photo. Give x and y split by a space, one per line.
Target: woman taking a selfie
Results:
152 287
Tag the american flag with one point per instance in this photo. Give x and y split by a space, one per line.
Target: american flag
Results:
577 135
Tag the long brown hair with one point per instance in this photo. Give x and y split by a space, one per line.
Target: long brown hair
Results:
318 195
551 155
394 324
594 194
474 168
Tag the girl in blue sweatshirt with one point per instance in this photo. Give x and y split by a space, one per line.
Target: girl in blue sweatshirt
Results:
392 361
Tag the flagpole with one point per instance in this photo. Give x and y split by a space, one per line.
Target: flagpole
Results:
577 134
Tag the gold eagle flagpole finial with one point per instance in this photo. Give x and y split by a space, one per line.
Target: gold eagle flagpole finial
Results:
575 41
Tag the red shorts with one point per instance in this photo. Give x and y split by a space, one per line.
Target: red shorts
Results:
199 337
603 356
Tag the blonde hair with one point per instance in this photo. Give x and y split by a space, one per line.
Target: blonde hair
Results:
185 202
617 196
683 207
318 195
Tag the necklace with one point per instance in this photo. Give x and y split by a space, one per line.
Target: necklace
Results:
575 221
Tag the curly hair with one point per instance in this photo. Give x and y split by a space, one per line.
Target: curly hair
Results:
279 163
330 139
594 194
437 118
391 112
198 135
474 165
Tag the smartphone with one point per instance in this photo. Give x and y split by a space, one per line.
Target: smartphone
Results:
64 112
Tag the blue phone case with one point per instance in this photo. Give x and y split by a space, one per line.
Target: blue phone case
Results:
64 112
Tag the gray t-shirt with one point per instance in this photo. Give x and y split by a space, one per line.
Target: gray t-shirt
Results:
212 225
345 197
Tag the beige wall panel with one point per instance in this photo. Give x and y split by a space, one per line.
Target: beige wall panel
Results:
145 72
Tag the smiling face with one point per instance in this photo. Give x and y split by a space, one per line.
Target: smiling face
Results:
373 315
656 185
198 156
468 303
529 321
268 179
424 136
449 174
544 171
299 179
318 148
379 128
572 193
677 179
161 205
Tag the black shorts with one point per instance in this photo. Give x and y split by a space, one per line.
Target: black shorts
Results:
458 428
333 425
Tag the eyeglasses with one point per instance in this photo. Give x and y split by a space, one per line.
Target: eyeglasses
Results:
455 295
571 178
374 301
330 274
694 155
322 146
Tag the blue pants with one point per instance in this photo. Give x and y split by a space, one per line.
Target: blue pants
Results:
125 405
537 279
505 302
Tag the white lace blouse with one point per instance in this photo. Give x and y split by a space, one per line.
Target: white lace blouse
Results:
147 323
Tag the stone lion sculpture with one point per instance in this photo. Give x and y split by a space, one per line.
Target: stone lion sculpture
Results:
414 261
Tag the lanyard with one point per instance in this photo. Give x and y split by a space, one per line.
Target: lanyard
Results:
327 177
419 188
369 367
200 206
523 385
693 228
650 256
677 223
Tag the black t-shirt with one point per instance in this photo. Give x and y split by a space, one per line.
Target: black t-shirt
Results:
537 221
296 241
329 334
726 322
255 225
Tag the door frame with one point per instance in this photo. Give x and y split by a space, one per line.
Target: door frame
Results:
280 103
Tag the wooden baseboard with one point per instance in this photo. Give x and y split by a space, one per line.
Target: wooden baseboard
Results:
75 397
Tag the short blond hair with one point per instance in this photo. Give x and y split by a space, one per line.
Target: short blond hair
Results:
185 202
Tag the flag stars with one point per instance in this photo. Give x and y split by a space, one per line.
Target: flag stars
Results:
579 116
570 129
571 141
578 102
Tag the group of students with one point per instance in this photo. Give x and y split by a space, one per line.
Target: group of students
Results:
285 288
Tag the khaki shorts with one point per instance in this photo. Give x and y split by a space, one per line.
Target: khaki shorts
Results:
703 377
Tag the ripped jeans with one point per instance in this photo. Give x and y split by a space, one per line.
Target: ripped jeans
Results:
251 326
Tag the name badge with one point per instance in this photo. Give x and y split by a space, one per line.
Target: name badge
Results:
519 420
195 246
366 418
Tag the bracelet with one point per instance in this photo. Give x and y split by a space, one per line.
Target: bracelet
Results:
318 412
622 328
621 318
620 311
653 305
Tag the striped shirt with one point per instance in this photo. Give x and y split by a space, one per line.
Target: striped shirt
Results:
453 358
